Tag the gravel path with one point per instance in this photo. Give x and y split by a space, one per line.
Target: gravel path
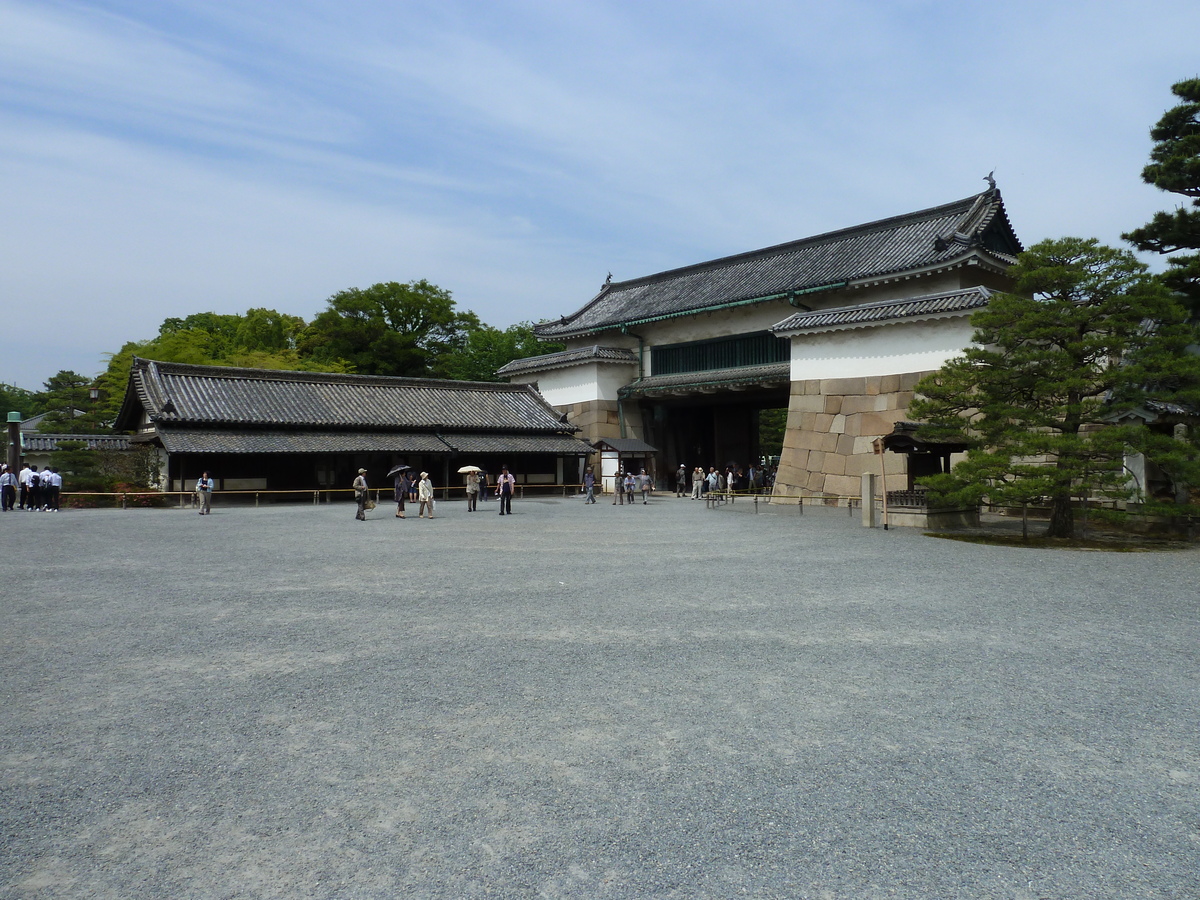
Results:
588 701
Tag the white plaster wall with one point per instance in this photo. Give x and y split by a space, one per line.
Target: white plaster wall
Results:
579 384
883 350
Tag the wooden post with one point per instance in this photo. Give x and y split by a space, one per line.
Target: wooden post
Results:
878 445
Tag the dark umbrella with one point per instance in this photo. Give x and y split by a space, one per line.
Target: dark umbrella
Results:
396 470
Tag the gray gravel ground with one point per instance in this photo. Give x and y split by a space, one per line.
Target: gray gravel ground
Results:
588 701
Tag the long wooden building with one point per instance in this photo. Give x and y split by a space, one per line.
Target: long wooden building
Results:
256 429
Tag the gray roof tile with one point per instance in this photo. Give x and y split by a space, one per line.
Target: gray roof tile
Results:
565 358
209 396
945 303
975 227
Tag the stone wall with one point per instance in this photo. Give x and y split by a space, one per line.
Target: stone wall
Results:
831 426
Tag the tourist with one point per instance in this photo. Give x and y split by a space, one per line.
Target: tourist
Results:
697 483
644 484
8 489
204 489
360 495
505 485
400 492
619 488
681 480
472 491
425 493
589 486
630 487
23 482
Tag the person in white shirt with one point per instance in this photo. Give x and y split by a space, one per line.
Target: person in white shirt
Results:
8 489
23 480
425 495
505 485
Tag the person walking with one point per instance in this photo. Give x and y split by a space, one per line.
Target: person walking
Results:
505 485
472 491
697 483
681 480
8 489
425 493
360 495
204 489
589 486
630 486
644 483
400 492
619 488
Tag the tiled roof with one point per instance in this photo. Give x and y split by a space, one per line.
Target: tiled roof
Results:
225 441
687 382
214 396
566 358
48 443
975 228
924 306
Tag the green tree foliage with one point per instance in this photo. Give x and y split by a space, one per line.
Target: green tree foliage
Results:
390 329
1175 167
260 339
19 400
1088 335
65 393
486 349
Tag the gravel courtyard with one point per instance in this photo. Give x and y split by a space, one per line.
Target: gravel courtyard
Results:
588 701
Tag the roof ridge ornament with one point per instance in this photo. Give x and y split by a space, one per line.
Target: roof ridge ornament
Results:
990 180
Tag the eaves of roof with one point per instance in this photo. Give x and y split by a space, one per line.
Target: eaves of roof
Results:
770 375
566 358
940 305
195 440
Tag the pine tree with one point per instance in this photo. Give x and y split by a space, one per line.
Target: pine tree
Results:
1088 333
1175 167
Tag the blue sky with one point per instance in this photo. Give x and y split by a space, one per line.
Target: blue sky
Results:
165 157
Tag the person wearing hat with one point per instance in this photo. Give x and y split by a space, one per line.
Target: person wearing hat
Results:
505 485
360 495
425 495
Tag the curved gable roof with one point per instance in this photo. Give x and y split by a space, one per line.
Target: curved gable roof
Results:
946 235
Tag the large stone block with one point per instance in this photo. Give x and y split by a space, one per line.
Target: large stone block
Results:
812 386
889 384
807 403
879 423
816 481
843 485
863 445
873 384
824 420
833 405
846 444
808 421
829 442
843 385
859 403
816 461
835 464
838 425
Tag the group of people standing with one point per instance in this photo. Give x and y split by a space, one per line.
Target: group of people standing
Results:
734 480
30 489
407 487
626 485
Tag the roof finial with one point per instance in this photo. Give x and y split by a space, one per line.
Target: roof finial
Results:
990 180
608 280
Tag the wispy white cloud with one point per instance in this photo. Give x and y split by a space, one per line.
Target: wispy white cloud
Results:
161 158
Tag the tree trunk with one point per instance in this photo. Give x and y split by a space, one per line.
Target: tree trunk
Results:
1062 517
